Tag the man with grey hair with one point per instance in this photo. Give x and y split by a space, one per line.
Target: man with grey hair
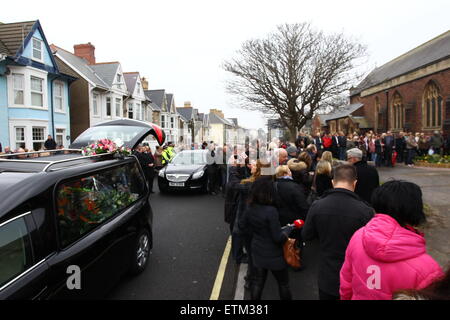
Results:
368 178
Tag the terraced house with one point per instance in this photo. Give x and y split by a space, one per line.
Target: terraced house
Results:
101 92
34 92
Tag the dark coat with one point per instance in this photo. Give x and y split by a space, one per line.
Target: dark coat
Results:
368 180
334 219
291 201
50 144
267 236
322 183
342 141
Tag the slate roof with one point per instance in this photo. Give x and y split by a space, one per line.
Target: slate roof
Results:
156 96
430 52
169 99
186 113
12 36
106 71
215 119
130 80
342 112
80 64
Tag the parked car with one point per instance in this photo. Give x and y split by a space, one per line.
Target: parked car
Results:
186 171
72 225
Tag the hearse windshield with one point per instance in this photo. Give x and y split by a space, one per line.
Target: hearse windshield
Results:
121 135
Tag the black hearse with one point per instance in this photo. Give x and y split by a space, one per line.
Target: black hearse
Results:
72 225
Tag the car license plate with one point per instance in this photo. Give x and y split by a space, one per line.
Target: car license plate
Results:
176 184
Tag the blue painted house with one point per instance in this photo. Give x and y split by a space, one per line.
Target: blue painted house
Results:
34 94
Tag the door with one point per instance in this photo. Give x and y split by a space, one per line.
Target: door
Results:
125 132
22 274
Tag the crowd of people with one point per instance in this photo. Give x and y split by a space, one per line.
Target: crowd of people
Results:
370 245
384 149
49 144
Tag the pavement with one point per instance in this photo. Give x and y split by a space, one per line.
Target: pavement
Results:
435 185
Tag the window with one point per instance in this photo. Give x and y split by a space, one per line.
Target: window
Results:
433 105
20 137
95 104
172 122
37 94
398 111
130 110
138 88
60 133
138 111
38 135
119 80
58 90
19 86
37 49
15 250
163 121
108 107
85 203
118 107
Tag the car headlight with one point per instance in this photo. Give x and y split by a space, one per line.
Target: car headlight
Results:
161 173
198 175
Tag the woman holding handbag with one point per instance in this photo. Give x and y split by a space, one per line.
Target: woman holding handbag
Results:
268 238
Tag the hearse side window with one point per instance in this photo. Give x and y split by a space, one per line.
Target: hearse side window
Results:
84 203
15 250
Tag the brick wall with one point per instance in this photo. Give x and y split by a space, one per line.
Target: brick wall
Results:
412 97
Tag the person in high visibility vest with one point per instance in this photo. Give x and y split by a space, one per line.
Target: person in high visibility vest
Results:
168 153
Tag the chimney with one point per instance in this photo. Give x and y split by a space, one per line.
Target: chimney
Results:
86 51
144 83
217 112
187 104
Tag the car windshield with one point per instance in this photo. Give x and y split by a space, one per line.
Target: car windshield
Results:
189 158
119 134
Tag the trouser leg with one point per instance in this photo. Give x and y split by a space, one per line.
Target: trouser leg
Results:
258 281
282 277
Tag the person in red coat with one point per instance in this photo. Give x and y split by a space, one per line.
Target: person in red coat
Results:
327 142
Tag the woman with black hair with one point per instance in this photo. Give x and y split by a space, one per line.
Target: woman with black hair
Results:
262 221
389 254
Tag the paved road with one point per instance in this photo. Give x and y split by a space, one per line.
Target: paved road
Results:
189 241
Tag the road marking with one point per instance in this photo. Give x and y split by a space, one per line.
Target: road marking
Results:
221 272
240 285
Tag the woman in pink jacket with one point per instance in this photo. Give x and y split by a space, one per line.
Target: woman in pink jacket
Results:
388 254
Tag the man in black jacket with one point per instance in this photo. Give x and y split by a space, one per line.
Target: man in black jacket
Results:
342 139
334 219
50 144
389 146
400 147
368 178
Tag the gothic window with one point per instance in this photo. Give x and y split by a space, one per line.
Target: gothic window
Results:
432 105
398 111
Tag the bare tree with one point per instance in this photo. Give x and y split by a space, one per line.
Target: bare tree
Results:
292 72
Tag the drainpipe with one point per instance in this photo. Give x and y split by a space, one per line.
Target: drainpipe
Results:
52 106
387 110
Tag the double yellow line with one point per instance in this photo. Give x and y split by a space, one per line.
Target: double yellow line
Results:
221 272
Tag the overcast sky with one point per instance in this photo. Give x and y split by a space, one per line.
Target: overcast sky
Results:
180 45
